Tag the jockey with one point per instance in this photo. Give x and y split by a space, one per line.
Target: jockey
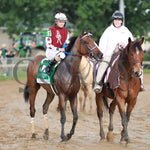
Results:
57 36
114 35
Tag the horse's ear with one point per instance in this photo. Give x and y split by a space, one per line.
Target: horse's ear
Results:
127 48
88 31
82 33
141 41
129 40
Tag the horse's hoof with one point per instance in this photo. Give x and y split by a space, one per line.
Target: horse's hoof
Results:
122 142
46 134
63 140
68 137
45 137
33 136
110 136
102 140
91 113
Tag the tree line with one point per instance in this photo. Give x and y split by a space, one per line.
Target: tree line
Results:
26 15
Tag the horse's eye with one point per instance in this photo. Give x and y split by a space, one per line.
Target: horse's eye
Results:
86 42
132 54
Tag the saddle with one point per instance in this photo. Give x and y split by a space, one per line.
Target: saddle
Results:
111 75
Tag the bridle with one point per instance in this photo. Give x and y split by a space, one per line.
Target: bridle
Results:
90 49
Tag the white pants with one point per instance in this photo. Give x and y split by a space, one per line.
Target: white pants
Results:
102 68
51 53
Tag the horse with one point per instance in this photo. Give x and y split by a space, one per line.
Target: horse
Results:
66 82
86 90
125 95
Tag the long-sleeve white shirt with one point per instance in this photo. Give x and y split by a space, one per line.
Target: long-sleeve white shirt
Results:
111 37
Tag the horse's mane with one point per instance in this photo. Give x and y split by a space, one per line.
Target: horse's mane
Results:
123 54
71 43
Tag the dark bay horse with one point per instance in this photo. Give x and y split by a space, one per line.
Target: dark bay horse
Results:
66 82
125 95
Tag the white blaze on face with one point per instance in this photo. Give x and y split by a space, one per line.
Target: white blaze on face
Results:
137 51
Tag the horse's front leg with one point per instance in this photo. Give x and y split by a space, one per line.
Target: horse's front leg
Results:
99 103
121 107
63 116
110 127
73 104
130 105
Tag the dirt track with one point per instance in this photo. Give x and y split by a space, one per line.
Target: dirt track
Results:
15 127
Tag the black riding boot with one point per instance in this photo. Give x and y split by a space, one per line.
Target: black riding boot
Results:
49 68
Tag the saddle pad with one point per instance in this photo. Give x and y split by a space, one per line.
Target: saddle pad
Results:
42 76
112 75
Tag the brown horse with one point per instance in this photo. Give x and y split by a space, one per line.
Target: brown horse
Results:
129 67
66 82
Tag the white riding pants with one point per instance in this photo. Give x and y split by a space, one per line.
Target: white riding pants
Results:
51 53
102 68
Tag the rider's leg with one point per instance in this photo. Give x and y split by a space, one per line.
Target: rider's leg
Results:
49 68
59 56
100 72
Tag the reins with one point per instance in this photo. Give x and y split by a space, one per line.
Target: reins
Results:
90 50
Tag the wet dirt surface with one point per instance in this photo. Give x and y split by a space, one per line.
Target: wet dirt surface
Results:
15 126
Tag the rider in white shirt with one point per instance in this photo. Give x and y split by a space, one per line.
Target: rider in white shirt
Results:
114 35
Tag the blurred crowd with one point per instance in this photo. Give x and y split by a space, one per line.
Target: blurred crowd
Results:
5 58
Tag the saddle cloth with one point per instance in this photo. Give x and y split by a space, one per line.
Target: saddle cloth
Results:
42 76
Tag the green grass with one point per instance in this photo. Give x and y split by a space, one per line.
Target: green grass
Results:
146 57
3 78
146 70
20 74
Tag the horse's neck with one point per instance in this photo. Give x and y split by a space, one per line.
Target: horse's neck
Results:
73 62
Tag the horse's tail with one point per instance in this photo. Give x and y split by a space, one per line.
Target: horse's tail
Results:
105 101
26 93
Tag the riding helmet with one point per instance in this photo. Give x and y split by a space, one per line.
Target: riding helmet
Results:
60 16
117 15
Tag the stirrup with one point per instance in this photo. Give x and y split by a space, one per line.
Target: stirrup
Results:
49 68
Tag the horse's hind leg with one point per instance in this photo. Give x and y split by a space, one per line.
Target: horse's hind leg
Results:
73 103
110 127
32 94
49 98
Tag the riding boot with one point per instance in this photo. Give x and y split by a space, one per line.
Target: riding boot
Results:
49 68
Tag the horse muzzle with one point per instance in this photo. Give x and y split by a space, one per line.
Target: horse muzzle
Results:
96 56
137 74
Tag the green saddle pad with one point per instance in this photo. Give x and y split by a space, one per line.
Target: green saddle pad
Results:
42 76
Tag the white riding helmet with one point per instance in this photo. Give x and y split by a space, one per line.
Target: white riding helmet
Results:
60 16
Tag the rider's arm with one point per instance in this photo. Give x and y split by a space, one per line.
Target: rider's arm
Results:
48 41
